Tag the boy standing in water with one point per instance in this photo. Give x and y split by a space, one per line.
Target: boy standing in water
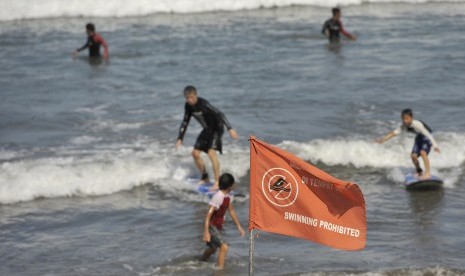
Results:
209 140
94 41
424 140
333 27
213 224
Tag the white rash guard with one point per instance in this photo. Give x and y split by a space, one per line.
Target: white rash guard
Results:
418 128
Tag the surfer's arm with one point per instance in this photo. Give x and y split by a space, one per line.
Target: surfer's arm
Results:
206 224
324 30
221 117
346 33
184 124
83 47
233 215
388 136
99 39
218 114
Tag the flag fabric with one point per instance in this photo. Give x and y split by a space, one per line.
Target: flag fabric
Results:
291 197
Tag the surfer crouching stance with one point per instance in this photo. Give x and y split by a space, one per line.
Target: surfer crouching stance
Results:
424 140
209 140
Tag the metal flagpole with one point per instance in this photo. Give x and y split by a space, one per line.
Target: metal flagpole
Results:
251 248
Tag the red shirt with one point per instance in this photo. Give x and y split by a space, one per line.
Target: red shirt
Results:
220 202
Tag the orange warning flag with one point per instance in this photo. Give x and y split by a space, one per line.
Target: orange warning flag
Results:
291 197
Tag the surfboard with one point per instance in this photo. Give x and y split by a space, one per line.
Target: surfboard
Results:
413 182
201 188
204 188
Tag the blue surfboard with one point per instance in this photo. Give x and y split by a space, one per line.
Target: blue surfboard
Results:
204 188
413 182
201 188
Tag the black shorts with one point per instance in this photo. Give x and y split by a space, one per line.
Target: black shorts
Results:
216 240
421 144
209 140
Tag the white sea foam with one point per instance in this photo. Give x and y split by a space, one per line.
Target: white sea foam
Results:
82 140
365 153
393 156
8 154
26 180
112 125
104 170
96 110
107 169
26 9
437 270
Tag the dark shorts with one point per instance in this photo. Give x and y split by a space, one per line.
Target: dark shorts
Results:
216 240
209 140
421 144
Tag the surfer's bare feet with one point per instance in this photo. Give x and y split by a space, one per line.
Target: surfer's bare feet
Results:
204 179
215 187
425 176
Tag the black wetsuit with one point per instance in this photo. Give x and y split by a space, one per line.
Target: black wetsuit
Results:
334 28
93 43
212 121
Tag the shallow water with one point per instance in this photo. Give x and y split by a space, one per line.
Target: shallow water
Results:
90 183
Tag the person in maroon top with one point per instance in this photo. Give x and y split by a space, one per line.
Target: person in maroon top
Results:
94 41
333 28
220 203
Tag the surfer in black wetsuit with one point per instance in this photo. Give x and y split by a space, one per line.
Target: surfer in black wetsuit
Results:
333 28
209 140
94 41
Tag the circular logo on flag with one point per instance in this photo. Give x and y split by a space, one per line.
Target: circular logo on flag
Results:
280 187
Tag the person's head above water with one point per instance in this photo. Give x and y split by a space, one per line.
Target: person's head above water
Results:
407 116
190 93
226 181
90 28
336 13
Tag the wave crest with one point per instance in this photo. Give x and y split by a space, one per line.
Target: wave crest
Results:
26 9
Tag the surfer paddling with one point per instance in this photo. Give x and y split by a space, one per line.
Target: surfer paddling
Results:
94 41
333 28
424 140
209 141
213 223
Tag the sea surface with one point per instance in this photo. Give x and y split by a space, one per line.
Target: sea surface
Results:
91 183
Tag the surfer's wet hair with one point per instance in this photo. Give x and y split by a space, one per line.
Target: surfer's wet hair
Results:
226 181
90 27
189 90
407 111
336 11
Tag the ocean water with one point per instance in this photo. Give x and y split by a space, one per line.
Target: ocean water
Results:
90 181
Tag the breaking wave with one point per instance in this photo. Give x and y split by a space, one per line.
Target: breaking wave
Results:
77 170
35 9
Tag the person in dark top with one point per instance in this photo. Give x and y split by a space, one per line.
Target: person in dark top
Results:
94 41
333 28
209 141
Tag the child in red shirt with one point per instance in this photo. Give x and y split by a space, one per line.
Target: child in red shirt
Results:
219 204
